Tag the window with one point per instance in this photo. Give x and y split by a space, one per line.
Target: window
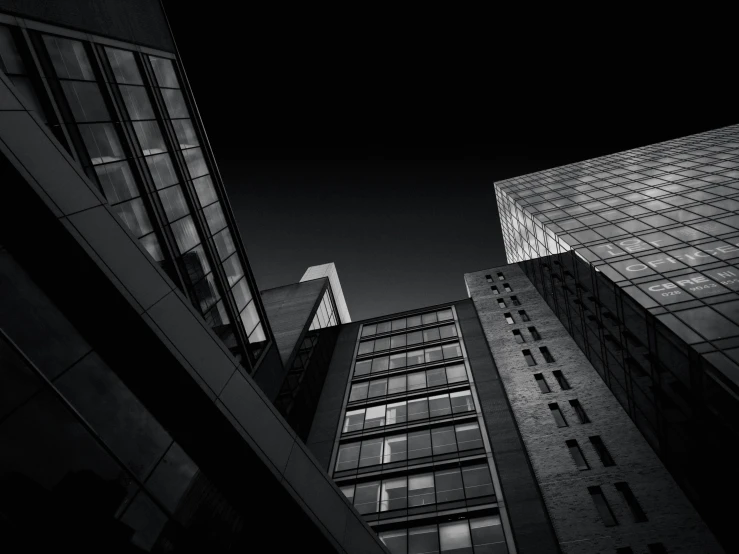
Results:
369 330
557 415
489 278
436 377
495 289
602 451
507 287
396 449
559 376
366 347
377 388
375 417
508 318
371 453
524 316
633 503
657 548
421 489
439 405
423 539
396 384
518 336
443 441
394 494
456 374
529 357
500 276
418 408
396 541
397 341
543 386
354 421
468 436
348 457
419 444
602 506
462 402
580 411
515 301
547 355
534 333
577 455
449 485
366 497
501 303
477 481
358 392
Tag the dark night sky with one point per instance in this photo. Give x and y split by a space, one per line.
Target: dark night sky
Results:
376 147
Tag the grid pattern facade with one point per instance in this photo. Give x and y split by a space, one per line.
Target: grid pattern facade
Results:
660 221
412 453
124 114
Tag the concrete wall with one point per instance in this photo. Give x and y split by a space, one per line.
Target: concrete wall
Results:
672 520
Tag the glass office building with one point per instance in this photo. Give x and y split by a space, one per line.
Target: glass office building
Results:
637 255
125 114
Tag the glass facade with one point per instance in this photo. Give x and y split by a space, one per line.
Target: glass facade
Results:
126 117
412 454
660 221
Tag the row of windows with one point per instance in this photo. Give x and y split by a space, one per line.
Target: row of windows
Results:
326 315
604 508
407 339
559 417
417 409
518 336
506 288
529 357
509 318
499 275
409 382
482 535
399 493
600 449
415 445
544 386
407 322
514 300
408 359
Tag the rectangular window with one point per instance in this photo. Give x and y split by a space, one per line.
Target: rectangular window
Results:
477 481
559 376
418 409
501 303
534 333
508 318
396 449
518 336
602 506
419 444
439 405
577 455
443 441
394 494
489 278
580 411
421 490
348 457
448 485
377 388
495 289
507 287
500 276
524 315
529 357
468 436
367 497
547 355
557 415
633 503
602 451
371 453
515 301
354 421
543 386
462 402
456 374
396 384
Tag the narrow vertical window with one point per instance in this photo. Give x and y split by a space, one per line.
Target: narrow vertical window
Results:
563 384
500 276
657 548
518 336
543 386
557 415
602 451
602 506
501 303
489 278
495 289
633 503
547 355
508 318
529 357
507 287
577 455
534 333
515 301
524 315
581 415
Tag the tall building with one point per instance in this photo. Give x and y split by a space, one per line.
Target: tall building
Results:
131 329
636 255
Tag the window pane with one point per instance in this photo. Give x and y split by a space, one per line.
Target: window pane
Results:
477 481
375 417
249 317
418 409
233 269
117 182
431 334
421 489
354 421
371 453
150 138
444 315
186 136
448 331
396 541
439 406
124 66
378 388
398 324
362 368
433 354
348 492
423 540
396 384
416 337
69 58
462 401
367 497
396 449
380 364
175 102
185 234
196 264
173 202
133 214
452 351
417 380
455 537
487 535
436 377
162 171
358 392
382 344
137 102
366 347
241 294
102 143
397 341
394 494
449 485
205 190
397 360
348 457
415 357
413 321
215 217
397 413
468 436
85 101
443 441
164 72
369 330
419 444
429 318
456 374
